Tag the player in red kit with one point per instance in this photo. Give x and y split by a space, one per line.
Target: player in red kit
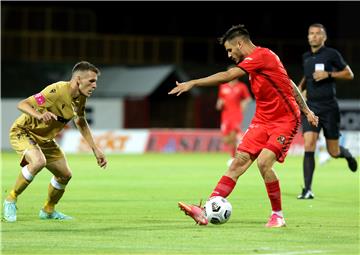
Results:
276 119
233 98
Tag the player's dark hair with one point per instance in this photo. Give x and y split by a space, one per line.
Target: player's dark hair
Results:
85 66
319 26
234 31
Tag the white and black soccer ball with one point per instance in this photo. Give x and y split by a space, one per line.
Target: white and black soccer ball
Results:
218 210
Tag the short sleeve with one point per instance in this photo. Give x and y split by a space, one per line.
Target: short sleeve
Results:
338 61
252 63
46 97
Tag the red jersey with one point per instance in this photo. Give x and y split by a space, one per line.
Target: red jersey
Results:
271 86
232 95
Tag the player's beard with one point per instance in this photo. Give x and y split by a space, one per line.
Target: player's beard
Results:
241 58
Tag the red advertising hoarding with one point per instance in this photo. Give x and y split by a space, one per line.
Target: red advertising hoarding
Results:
184 140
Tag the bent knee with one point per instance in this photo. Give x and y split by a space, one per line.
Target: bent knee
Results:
38 164
310 146
239 165
64 178
334 153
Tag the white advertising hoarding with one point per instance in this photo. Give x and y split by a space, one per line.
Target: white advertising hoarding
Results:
110 141
139 141
101 113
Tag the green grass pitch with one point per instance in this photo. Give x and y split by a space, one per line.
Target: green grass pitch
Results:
131 208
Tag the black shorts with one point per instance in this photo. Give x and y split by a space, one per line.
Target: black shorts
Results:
329 119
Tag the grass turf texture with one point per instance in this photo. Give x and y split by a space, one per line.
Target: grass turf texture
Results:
131 208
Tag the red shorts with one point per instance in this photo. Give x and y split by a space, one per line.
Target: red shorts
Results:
276 136
229 126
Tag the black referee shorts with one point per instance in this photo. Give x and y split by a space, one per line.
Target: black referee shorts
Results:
329 119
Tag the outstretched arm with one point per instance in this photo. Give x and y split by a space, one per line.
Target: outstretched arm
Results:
84 129
311 117
212 80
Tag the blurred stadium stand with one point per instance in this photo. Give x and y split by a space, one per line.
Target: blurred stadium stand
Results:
37 49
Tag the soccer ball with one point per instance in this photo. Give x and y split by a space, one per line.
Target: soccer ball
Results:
218 210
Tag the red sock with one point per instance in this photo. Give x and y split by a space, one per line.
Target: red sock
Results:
224 187
273 190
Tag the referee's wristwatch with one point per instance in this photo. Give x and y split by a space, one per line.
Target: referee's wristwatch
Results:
329 75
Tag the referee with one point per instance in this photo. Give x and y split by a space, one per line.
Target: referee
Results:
322 66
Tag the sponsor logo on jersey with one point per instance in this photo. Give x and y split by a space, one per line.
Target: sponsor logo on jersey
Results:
39 98
281 139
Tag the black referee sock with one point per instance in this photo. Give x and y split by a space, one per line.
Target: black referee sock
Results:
344 153
308 168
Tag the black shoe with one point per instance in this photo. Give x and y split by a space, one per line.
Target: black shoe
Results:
306 194
352 164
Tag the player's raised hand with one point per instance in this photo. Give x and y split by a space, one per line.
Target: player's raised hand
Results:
181 87
47 116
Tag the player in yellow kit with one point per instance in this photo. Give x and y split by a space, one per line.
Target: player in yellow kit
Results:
32 136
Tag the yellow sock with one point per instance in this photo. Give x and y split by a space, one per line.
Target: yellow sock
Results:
20 185
54 196
48 207
12 196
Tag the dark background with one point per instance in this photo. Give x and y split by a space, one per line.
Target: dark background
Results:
270 24
195 26
212 18
285 19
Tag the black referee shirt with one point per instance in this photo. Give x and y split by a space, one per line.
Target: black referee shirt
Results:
326 59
